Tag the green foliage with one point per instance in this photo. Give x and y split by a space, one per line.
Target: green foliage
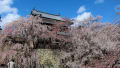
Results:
48 58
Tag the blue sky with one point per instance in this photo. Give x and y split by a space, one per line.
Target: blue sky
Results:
67 8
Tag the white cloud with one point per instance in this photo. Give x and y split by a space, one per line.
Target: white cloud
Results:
99 1
81 9
11 13
9 18
80 19
83 16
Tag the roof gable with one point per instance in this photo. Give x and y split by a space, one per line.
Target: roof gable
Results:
46 15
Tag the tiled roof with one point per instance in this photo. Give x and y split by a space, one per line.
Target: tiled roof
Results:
46 15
